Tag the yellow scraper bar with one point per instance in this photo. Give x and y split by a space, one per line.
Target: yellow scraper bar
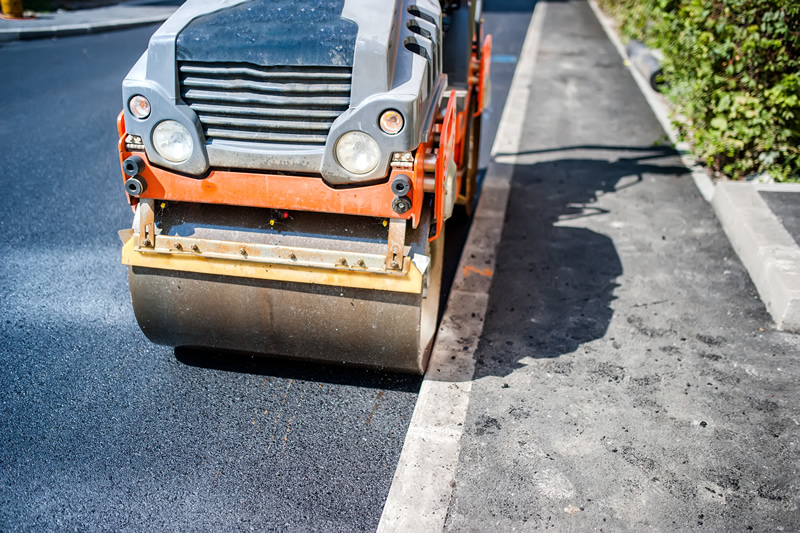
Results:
410 283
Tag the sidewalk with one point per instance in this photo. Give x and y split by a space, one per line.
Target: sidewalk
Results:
628 376
760 220
65 23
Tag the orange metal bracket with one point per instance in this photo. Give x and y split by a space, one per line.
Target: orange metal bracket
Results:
486 62
447 140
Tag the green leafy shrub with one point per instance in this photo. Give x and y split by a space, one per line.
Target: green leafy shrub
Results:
733 73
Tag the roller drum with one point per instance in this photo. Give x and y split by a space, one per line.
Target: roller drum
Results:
363 327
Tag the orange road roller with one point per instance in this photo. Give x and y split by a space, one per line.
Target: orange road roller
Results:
291 166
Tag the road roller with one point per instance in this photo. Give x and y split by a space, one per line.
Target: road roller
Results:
291 165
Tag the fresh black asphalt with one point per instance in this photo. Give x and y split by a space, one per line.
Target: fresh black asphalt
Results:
102 430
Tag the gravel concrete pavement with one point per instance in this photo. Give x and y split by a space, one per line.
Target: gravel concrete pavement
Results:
628 377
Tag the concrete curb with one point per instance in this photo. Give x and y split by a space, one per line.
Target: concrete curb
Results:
768 251
65 30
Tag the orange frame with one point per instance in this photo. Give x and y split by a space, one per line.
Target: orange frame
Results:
293 193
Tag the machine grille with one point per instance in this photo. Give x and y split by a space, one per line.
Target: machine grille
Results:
250 103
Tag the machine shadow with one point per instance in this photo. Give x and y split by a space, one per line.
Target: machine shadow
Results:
281 367
554 281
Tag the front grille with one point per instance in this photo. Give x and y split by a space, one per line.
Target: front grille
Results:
245 102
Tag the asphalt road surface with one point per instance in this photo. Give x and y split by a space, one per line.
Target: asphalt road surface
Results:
102 430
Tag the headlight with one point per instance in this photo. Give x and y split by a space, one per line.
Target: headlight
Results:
357 152
391 122
172 141
139 106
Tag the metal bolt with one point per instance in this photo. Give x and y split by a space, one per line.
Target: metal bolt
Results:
292 256
401 204
243 252
361 263
342 262
195 248
395 265
178 246
146 243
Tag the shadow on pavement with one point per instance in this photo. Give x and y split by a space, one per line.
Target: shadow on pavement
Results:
554 282
262 365
512 6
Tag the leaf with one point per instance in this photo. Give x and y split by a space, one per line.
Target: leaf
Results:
719 123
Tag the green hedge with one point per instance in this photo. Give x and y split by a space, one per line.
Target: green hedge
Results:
733 74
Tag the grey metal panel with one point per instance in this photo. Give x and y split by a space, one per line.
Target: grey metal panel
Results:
458 41
257 98
212 69
261 112
263 125
224 153
280 88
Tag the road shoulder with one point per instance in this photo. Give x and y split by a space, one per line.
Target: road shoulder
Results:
627 376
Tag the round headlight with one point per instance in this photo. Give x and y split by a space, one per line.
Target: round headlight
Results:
357 152
391 122
139 106
172 141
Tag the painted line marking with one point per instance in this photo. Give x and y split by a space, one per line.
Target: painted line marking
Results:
485 272
423 483
504 58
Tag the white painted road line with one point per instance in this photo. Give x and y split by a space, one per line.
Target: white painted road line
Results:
423 482
660 109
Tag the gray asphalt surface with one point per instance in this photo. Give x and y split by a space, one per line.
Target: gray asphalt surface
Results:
101 429
628 377
784 205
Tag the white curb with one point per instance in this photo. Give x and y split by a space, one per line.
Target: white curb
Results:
769 253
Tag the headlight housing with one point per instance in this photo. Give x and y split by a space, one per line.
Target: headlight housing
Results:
172 141
357 152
